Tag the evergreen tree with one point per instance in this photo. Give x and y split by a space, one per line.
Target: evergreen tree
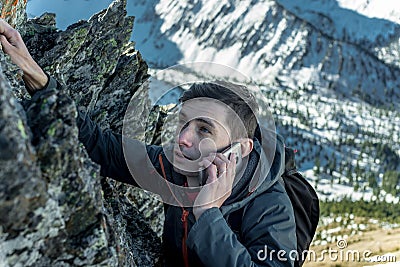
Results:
391 182
317 164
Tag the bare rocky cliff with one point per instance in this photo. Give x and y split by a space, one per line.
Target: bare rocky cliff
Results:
55 208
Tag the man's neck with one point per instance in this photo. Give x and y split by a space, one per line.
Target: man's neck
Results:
193 181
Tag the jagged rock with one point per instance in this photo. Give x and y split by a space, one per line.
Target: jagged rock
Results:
19 197
13 11
56 209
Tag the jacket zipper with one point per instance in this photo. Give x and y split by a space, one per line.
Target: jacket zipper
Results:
185 214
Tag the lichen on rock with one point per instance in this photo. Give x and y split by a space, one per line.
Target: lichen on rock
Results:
56 210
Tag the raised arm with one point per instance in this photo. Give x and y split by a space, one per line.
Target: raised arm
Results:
103 147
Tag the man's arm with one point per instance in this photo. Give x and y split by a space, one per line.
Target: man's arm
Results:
268 234
103 147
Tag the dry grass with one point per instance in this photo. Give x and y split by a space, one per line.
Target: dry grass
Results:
377 241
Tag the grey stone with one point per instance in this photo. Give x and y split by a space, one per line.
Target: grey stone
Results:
55 208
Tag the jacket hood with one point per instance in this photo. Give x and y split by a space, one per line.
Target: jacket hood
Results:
265 165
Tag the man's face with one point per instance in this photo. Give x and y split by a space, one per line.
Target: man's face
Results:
202 129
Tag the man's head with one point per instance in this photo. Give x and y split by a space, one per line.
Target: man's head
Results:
237 97
213 115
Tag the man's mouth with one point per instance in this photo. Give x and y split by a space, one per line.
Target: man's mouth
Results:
180 154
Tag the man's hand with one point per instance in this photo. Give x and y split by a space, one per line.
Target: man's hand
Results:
13 45
221 174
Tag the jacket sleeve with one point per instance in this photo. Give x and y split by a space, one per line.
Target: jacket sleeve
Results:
268 234
104 147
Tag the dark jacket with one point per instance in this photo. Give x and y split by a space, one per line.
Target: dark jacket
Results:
237 234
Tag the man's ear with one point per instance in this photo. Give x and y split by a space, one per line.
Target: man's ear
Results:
246 145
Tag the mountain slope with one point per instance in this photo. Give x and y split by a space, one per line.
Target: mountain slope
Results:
329 68
276 43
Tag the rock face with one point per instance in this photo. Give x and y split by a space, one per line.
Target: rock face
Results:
13 11
56 210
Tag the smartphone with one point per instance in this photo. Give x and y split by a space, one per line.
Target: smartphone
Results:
234 148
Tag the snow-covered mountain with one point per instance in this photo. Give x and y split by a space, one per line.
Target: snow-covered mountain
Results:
315 43
330 68
287 43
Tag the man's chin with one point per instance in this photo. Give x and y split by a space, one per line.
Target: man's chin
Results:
186 173
185 166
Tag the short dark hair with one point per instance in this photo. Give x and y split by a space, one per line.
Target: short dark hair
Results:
237 97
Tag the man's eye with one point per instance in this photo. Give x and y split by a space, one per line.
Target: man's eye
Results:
205 130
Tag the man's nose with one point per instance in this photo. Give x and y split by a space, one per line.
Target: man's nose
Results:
186 136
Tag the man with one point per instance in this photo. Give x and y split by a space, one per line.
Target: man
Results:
229 222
